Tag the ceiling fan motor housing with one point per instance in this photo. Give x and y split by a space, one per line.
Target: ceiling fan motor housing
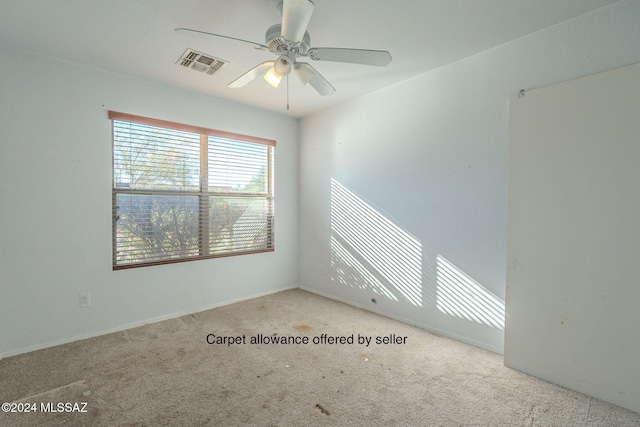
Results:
277 44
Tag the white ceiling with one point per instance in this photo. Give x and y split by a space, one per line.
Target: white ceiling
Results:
137 38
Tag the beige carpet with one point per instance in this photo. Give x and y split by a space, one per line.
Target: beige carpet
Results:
166 374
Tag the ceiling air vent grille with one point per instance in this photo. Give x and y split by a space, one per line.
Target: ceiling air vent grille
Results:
200 62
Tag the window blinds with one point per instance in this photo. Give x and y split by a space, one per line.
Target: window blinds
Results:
184 193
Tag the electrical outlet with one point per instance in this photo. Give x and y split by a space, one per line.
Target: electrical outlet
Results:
85 299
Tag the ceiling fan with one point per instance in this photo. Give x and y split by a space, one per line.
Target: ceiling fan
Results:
290 41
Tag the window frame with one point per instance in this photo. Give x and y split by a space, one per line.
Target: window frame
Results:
202 193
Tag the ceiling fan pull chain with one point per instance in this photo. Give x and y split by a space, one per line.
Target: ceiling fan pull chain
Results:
287 91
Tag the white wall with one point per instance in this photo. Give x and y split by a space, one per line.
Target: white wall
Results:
422 167
572 272
55 206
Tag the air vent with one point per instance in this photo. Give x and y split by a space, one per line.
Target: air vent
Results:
200 62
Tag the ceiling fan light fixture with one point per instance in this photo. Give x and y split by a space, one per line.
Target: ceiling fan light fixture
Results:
282 65
281 68
304 72
272 77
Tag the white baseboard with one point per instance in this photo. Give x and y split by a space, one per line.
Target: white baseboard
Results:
132 325
408 321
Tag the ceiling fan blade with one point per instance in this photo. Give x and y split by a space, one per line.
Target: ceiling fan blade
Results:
257 46
251 74
354 56
307 74
296 15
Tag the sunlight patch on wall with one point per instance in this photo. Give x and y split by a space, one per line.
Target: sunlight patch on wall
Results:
459 295
370 250
348 271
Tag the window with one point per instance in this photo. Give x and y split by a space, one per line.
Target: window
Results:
183 193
